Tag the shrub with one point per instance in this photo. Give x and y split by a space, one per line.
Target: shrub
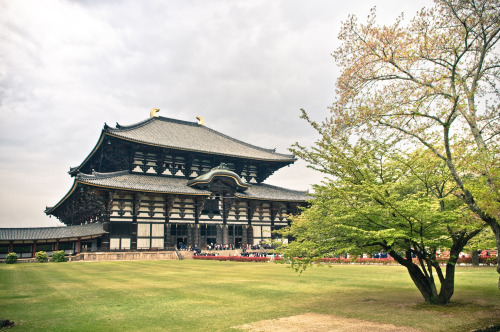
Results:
490 261
11 258
58 256
42 257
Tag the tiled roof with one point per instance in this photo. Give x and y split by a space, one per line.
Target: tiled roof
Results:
190 136
139 182
178 185
50 233
268 192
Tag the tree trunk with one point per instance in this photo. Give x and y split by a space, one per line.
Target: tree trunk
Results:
475 258
448 286
423 283
426 285
497 236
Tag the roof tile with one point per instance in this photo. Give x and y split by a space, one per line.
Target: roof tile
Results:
47 233
191 136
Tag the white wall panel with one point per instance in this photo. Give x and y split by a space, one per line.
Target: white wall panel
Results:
142 243
158 230
143 230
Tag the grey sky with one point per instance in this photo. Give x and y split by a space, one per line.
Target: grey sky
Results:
247 67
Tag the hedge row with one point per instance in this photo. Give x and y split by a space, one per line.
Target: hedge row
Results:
390 260
233 258
41 256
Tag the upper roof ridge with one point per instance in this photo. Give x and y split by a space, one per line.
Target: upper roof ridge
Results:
142 123
98 175
122 128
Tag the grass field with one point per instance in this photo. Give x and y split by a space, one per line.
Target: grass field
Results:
216 296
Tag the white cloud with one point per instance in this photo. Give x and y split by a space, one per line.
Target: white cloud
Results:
247 67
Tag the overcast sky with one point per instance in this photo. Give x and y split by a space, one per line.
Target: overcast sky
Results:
247 67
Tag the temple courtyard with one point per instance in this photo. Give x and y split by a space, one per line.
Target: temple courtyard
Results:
192 295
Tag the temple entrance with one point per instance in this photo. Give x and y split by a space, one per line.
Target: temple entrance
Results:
237 242
211 241
181 243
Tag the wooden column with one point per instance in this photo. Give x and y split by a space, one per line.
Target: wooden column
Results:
251 207
218 240
105 238
196 235
167 210
34 249
250 234
168 241
199 202
225 235
135 211
79 247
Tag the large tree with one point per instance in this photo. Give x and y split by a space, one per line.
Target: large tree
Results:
380 201
432 82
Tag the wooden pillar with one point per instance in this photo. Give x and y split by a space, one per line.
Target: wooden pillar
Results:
251 207
105 238
196 235
133 233
250 234
219 234
11 247
79 248
167 240
244 239
224 220
198 207
34 249
225 234
57 245
190 236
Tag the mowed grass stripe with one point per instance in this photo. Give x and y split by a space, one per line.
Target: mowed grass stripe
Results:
216 296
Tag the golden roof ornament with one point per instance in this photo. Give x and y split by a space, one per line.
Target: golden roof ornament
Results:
154 112
201 121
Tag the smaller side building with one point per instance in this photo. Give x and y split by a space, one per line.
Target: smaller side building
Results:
25 242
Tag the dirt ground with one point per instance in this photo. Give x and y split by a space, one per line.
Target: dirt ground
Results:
316 322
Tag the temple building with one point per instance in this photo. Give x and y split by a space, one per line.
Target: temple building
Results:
162 183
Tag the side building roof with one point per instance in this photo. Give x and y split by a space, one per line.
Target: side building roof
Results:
51 233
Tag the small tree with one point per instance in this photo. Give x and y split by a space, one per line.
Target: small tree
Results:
377 200
11 258
434 83
42 257
58 256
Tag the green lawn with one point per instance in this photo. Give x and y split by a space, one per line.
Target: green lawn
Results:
206 296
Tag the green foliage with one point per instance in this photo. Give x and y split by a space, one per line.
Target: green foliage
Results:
377 199
58 256
42 256
11 258
431 83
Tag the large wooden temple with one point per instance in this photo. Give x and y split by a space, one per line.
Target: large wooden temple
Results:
163 182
